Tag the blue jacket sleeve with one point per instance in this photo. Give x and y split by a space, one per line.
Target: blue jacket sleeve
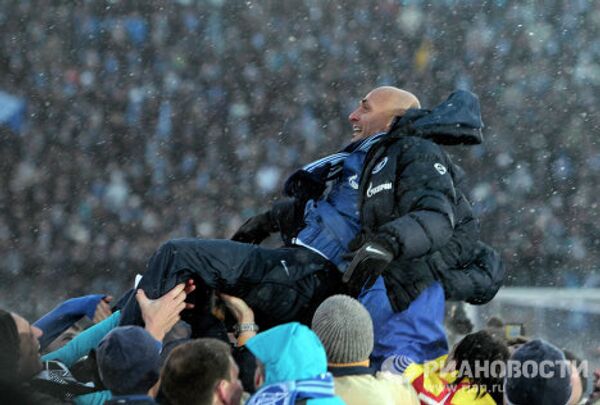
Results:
65 315
95 398
84 342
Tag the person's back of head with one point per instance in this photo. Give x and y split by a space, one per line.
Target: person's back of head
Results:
542 375
19 348
201 371
128 360
345 328
477 349
9 348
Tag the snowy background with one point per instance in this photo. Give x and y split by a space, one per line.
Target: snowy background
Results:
125 124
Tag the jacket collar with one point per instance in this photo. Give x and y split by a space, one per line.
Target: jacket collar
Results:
343 371
455 121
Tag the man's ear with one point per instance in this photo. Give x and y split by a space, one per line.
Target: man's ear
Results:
259 378
393 120
221 391
153 391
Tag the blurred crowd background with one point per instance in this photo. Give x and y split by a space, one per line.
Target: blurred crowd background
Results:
143 121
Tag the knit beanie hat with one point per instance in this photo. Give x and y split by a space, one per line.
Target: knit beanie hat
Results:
9 347
128 360
345 328
552 387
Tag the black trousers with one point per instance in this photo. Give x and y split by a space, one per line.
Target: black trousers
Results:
280 285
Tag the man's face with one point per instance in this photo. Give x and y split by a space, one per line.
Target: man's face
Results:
29 347
231 394
373 115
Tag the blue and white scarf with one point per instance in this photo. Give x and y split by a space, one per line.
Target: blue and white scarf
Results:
287 393
337 159
329 167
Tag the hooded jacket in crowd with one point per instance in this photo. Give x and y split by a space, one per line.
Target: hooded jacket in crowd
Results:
295 366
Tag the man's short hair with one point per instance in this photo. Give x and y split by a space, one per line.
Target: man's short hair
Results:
9 347
194 369
481 347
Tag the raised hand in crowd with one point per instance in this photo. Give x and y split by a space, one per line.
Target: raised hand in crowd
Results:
246 328
240 310
161 314
103 309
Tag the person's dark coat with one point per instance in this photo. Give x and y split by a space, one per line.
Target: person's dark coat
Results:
413 203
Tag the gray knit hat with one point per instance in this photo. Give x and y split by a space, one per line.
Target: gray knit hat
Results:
345 328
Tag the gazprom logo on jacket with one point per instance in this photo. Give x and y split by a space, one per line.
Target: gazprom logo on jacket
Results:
371 191
353 181
379 165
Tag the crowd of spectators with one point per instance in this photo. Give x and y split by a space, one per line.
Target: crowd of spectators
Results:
171 362
152 120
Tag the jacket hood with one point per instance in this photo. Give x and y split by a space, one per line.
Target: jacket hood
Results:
289 352
455 121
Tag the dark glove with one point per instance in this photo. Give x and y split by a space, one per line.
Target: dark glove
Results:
307 185
255 229
404 281
367 264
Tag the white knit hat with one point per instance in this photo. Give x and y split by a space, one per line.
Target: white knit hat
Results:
345 329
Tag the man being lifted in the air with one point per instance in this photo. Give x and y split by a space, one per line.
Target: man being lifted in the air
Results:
389 205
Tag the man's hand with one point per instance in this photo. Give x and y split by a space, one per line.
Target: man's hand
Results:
161 314
367 264
244 316
307 185
254 230
103 310
238 307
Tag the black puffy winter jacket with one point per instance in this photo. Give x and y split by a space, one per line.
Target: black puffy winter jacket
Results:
412 202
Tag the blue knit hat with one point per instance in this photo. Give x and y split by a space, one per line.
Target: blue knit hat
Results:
542 377
129 360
